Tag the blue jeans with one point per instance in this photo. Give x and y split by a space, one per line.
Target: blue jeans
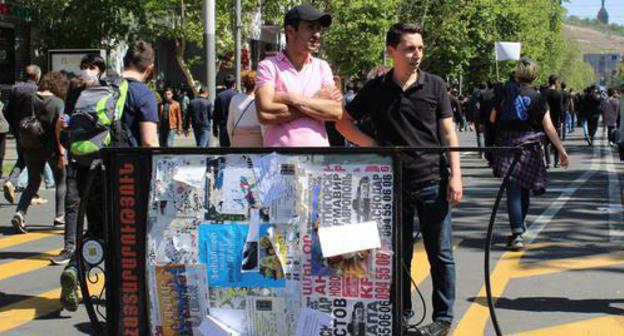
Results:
48 178
518 201
167 137
202 136
428 200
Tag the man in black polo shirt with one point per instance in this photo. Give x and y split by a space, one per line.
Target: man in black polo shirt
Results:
410 107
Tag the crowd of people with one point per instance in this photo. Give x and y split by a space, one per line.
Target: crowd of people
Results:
293 99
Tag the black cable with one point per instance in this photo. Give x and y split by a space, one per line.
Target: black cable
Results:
488 243
422 300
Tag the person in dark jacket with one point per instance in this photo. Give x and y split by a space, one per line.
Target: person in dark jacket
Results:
47 107
199 116
15 111
221 110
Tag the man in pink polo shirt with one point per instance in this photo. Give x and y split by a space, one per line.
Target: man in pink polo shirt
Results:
295 92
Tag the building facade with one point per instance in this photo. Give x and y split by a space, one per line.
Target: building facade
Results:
16 38
605 66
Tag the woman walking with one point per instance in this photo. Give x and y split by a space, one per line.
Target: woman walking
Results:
38 137
521 119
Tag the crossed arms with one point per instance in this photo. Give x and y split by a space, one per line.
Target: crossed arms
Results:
277 108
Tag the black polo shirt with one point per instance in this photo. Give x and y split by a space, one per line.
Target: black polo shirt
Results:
407 118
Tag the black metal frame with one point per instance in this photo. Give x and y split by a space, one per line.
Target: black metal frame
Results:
113 158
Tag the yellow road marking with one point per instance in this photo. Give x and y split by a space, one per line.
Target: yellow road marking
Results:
509 266
420 263
26 265
477 315
608 325
565 265
24 311
18 239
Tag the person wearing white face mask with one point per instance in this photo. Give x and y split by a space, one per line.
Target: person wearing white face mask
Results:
92 67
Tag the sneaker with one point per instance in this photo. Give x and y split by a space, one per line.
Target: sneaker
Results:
38 200
69 289
407 317
59 221
9 192
437 328
63 258
515 243
18 223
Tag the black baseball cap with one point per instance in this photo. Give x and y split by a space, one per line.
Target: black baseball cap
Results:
306 13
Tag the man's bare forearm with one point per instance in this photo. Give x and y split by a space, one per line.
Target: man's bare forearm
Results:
318 108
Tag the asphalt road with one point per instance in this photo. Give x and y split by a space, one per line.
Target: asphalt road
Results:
569 280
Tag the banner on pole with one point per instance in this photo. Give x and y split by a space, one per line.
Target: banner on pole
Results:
507 50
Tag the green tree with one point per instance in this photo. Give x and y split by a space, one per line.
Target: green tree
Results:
355 42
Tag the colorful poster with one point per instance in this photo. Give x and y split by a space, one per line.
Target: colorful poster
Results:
182 299
221 250
235 238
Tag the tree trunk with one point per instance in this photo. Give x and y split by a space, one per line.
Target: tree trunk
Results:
179 54
180 47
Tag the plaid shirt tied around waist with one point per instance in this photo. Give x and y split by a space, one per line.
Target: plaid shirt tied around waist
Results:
530 171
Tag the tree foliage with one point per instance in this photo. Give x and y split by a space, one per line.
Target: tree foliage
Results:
459 34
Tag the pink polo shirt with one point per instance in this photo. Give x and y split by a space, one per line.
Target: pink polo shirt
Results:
282 75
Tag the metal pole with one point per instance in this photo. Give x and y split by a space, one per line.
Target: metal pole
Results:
209 47
238 45
461 83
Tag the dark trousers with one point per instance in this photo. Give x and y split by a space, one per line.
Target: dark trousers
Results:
35 169
2 151
592 126
72 204
549 149
429 202
95 210
19 164
224 139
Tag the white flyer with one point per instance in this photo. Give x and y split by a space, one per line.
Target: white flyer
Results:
343 239
213 327
312 321
194 176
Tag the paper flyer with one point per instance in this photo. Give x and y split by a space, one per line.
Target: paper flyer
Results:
311 322
182 298
221 250
357 317
239 191
172 241
259 245
265 316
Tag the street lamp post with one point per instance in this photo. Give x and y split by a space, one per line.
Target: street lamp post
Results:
238 45
209 47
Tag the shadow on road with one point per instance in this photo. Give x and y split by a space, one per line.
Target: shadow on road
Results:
557 304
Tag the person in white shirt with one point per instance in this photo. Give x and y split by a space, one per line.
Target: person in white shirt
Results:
243 126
